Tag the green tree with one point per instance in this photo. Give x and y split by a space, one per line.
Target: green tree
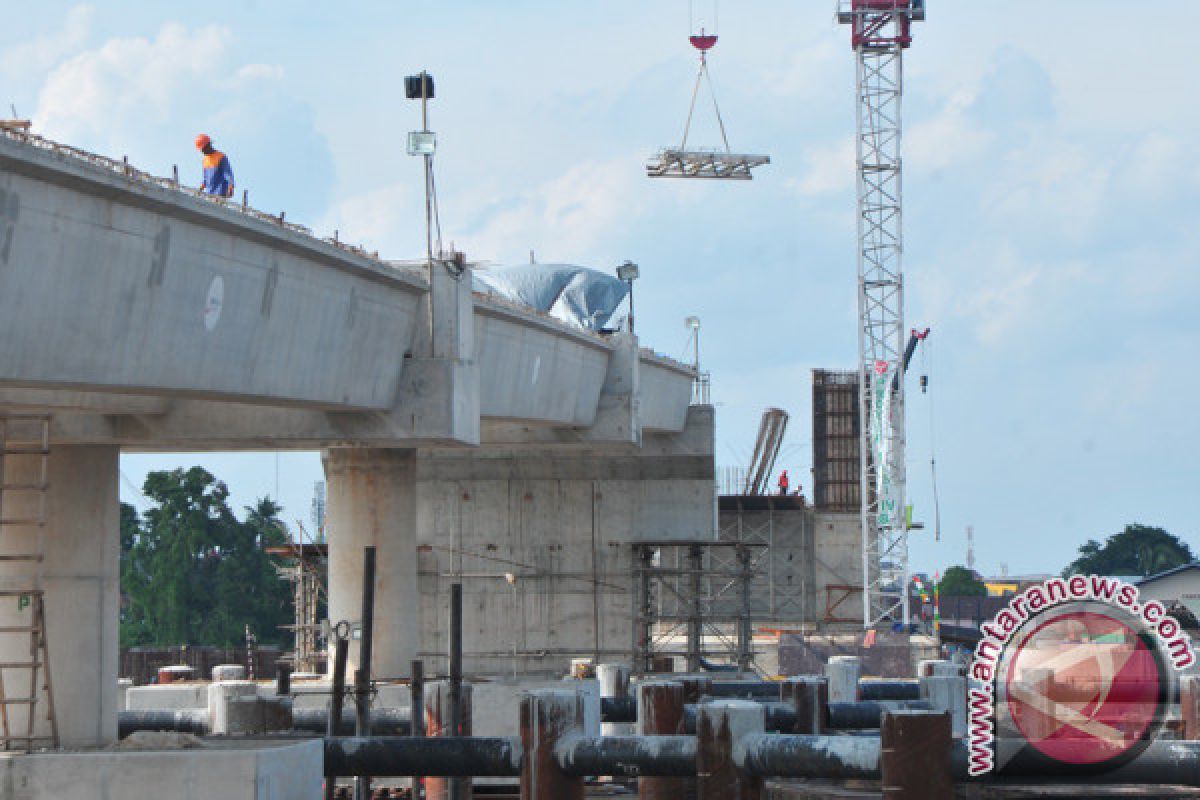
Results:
1137 550
192 573
961 582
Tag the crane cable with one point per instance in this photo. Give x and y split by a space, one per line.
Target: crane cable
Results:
937 511
702 74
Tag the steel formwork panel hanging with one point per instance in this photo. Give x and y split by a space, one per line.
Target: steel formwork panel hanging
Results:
712 163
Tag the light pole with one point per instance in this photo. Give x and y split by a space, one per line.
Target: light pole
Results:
629 272
423 143
693 324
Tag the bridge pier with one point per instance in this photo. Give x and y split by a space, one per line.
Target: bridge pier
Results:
80 577
372 500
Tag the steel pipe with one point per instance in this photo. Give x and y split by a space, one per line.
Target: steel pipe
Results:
868 715
188 720
402 756
1164 762
384 722
874 689
747 690
807 756
628 756
618 709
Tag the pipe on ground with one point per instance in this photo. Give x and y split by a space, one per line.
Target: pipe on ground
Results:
404 756
627 756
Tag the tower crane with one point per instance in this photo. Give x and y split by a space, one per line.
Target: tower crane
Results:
881 30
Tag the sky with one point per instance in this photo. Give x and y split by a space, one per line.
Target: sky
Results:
1050 205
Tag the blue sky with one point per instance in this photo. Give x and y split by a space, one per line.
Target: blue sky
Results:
1050 207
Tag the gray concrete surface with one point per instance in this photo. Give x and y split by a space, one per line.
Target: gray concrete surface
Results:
372 500
248 772
540 538
80 576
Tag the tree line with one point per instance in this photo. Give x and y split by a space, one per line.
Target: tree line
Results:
193 573
1137 550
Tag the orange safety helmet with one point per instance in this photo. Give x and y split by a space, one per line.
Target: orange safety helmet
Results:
202 141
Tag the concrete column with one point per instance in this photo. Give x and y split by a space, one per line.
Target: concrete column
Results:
948 693
660 713
1189 705
547 716
809 697
437 714
372 500
915 756
720 725
80 577
614 682
844 673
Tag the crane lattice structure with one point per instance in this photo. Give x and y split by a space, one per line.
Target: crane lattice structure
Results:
881 31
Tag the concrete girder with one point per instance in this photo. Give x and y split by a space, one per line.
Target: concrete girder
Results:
112 322
121 285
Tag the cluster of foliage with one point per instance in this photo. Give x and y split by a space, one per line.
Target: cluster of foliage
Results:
193 573
1138 550
961 582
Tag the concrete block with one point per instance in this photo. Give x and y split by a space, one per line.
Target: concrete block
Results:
228 672
220 697
172 697
590 691
256 715
844 673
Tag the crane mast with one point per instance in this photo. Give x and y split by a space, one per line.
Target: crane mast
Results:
881 31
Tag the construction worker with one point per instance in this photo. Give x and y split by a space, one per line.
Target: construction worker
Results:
218 175
783 483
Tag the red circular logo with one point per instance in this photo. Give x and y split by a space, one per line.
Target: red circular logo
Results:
1085 687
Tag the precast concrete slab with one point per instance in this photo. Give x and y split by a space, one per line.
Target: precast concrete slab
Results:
250 771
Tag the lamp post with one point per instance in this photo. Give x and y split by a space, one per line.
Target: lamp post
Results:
693 324
629 272
423 143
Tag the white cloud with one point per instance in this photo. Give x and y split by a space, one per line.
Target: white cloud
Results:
827 168
261 72
126 80
28 60
948 138
573 213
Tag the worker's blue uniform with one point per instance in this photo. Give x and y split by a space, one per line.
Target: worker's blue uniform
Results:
218 175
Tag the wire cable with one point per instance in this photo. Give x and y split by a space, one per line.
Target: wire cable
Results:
926 358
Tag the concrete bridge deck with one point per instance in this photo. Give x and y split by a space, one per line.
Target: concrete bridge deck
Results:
155 318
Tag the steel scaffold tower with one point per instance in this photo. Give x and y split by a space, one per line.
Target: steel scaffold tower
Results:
881 31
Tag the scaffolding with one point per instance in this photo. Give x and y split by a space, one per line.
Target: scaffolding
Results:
782 583
304 574
693 600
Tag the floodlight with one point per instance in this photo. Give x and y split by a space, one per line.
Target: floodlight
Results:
421 143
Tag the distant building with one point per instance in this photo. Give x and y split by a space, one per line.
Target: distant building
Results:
1178 586
1011 584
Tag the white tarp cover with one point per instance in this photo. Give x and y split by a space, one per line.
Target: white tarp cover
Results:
586 298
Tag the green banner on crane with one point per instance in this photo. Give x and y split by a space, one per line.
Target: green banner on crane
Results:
882 444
